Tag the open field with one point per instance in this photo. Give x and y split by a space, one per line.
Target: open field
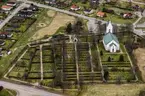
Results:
58 21
112 90
140 56
51 13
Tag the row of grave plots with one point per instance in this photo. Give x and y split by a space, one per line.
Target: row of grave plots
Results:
117 64
14 29
59 65
28 68
87 38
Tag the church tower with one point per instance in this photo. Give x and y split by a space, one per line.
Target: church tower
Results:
109 28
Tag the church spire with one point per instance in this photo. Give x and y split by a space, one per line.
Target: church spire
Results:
109 27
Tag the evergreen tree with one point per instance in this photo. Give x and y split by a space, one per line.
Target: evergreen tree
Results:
69 28
109 59
121 58
1 88
101 53
106 75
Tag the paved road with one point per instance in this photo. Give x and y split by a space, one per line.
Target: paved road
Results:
23 90
60 10
138 2
11 15
135 2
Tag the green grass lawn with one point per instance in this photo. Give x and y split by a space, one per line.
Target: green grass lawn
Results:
112 90
8 92
141 21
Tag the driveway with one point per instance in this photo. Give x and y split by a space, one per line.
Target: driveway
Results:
24 90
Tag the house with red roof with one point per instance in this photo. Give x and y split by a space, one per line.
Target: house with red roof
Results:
6 7
75 7
4 35
101 14
127 15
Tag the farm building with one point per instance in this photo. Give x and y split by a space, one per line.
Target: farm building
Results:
110 41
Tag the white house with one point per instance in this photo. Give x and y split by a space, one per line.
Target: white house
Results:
87 11
110 41
11 4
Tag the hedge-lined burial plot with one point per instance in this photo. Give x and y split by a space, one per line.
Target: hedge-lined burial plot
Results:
72 64
86 38
69 67
117 64
59 65
84 59
28 68
48 62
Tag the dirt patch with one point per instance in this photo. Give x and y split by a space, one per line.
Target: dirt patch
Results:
58 21
140 56
51 13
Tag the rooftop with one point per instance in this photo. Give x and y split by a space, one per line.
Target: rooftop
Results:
110 37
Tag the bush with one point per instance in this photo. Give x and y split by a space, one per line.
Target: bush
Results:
109 59
142 93
101 53
118 80
114 69
1 88
121 58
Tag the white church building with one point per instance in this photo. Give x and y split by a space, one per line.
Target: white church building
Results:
110 41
